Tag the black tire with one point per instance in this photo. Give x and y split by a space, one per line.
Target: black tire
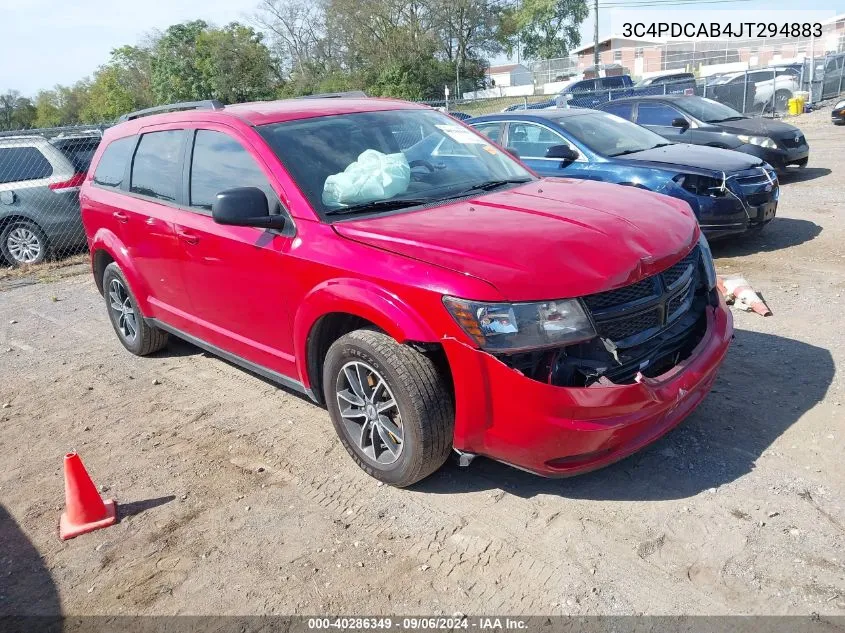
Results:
32 229
422 396
148 338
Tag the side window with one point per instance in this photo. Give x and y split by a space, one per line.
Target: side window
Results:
156 169
623 110
23 163
112 165
493 130
612 82
656 114
531 140
220 162
583 86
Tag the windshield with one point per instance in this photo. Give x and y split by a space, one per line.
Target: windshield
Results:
707 110
610 135
387 160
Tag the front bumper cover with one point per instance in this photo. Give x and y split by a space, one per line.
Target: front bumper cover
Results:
560 431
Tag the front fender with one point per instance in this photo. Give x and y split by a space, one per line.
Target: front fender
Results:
106 241
359 298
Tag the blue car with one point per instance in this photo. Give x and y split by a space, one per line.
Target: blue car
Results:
729 192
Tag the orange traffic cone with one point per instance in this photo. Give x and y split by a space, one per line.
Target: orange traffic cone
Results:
85 511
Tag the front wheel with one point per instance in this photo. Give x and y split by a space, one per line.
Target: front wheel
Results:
390 406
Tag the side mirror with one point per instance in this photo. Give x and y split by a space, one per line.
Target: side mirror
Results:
245 206
562 152
512 152
681 123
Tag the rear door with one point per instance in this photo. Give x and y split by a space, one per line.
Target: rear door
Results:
239 278
147 212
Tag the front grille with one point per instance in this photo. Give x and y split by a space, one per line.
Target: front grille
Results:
643 289
623 328
789 141
629 315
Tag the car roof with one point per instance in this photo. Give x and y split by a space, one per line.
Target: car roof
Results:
264 112
652 98
551 114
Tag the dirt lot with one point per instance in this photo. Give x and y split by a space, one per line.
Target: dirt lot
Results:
236 497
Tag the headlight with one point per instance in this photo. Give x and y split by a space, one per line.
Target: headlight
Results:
510 327
841 104
762 141
707 262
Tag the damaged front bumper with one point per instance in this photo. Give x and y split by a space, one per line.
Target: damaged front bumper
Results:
560 431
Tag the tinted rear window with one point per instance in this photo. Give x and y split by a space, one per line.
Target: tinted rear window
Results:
79 151
156 170
23 163
613 82
112 165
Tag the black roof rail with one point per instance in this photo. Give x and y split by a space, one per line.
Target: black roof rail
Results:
351 94
208 104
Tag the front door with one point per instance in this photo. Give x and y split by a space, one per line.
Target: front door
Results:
238 277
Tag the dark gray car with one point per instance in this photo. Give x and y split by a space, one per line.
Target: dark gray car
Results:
39 200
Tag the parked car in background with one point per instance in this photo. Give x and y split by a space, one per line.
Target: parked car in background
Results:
837 115
39 200
395 265
78 146
766 90
704 122
669 83
729 192
588 93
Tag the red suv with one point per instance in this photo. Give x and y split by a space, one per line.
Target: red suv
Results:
414 278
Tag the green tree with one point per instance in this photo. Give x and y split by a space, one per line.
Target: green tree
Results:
173 65
47 112
16 112
546 29
234 64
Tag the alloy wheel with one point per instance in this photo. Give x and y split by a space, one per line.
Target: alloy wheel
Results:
24 245
122 310
370 413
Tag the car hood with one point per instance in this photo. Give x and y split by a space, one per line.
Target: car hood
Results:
759 126
694 156
548 239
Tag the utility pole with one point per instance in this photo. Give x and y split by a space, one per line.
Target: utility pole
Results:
596 36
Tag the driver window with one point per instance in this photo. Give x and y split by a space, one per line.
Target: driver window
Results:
657 114
532 141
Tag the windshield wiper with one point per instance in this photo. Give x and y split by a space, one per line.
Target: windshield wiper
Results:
730 118
660 145
629 151
379 205
489 186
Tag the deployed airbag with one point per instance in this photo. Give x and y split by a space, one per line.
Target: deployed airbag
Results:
374 176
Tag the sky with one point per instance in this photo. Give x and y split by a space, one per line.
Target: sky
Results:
49 42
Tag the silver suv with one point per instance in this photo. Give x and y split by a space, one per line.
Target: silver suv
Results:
39 200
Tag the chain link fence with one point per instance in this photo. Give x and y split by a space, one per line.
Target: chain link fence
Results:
40 175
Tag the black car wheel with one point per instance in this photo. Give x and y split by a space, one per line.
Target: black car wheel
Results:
23 243
129 324
390 406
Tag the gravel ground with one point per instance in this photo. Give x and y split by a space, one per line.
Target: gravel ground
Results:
235 497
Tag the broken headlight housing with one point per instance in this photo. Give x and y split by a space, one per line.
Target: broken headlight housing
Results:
511 327
707 264
701 185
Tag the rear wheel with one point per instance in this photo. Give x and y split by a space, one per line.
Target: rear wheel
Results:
23 243
390 406
129 324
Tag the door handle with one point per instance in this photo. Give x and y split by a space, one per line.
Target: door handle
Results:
188 238
121 217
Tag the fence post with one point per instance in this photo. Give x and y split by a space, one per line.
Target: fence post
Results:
745 93
774 90
704 94
840 80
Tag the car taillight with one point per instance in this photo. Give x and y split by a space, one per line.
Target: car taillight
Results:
74 181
